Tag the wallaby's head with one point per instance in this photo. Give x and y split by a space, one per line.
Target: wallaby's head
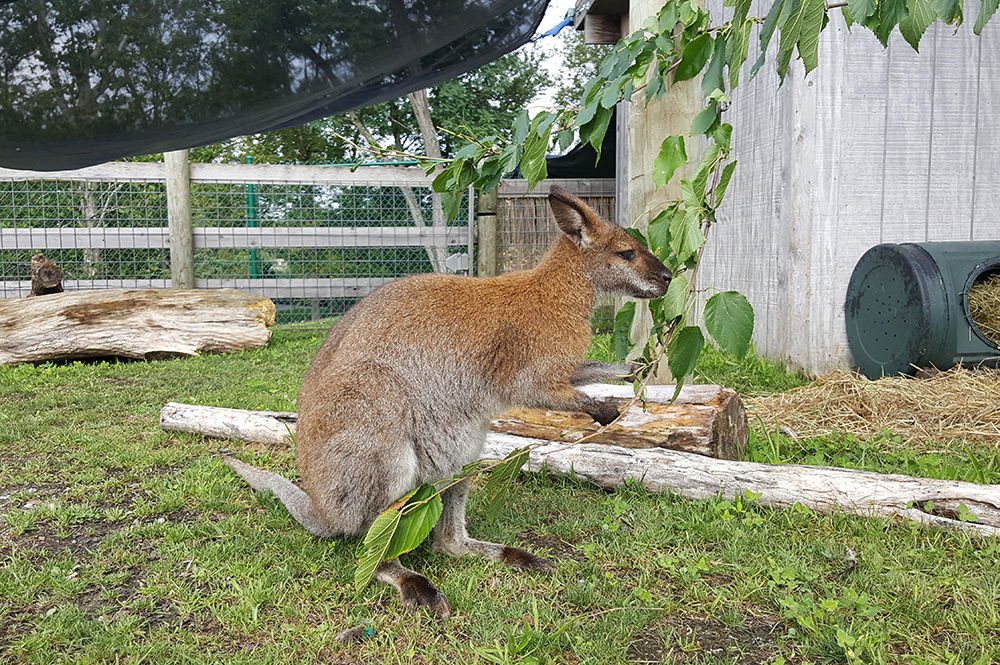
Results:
613 260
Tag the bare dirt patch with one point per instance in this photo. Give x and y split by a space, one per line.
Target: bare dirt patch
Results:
695 639
86 537
556 547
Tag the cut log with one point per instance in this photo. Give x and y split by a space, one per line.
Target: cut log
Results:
705 420
826 489
145 324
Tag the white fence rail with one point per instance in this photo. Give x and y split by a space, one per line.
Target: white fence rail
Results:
341 233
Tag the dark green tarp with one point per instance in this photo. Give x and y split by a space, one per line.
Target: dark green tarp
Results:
83 82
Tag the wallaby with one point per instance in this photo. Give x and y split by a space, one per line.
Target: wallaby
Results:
403 390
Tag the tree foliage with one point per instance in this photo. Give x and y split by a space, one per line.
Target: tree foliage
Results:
482 102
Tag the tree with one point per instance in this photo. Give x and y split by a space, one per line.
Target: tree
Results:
482 102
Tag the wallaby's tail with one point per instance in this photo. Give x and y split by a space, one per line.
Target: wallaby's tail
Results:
297 502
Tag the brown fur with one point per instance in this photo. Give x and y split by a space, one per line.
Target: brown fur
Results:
403 390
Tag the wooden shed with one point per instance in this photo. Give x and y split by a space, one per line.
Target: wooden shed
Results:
877 145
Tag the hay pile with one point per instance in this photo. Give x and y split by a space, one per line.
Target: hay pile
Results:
957 404
984 306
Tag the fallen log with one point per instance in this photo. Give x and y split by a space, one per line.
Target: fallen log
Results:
705 420
827 489
927 501
147 324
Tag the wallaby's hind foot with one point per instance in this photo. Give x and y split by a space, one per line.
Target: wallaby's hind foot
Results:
414 589
450 536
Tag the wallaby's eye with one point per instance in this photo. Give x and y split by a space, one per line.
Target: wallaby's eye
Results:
628 254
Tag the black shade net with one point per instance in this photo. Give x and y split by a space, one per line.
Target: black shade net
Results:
88 81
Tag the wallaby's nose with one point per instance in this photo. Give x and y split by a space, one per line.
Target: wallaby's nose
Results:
666 275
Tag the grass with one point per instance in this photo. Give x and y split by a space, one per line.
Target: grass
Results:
124 543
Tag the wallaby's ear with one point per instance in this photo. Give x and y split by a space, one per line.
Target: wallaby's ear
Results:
574 217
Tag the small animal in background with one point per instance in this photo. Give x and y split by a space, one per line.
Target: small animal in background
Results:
46 277
403 390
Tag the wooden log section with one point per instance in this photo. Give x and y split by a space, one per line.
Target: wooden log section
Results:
705 420
692 476
146 324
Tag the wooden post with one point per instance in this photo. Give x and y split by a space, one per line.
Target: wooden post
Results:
178 171
486 231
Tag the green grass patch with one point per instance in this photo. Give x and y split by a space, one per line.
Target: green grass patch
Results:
124 543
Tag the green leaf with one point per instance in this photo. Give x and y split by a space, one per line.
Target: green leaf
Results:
672 156
920 17
533 166
723 135
520 129
375 547
693 199
597 128
659 232
861 9
737 49
696 54
705 169
949 11
420 512
610 96
704 121
565 139
501 476
675 299
713 79
686 237
801 31
637 234
888 13
440 182
543 122
621 337
683 351
588 113
467 151
767 31
729 320
986 12
724 178
397 530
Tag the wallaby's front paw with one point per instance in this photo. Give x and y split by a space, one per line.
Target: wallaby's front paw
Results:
416 591
635 371
605 412
516 558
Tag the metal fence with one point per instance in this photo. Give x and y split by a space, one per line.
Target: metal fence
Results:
314 239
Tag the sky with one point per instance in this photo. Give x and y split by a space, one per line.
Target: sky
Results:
555 13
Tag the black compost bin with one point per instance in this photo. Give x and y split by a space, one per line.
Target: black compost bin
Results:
907 307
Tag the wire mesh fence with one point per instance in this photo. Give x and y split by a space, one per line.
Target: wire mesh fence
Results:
314 248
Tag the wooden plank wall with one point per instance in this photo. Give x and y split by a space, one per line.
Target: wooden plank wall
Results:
875 146
525 226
